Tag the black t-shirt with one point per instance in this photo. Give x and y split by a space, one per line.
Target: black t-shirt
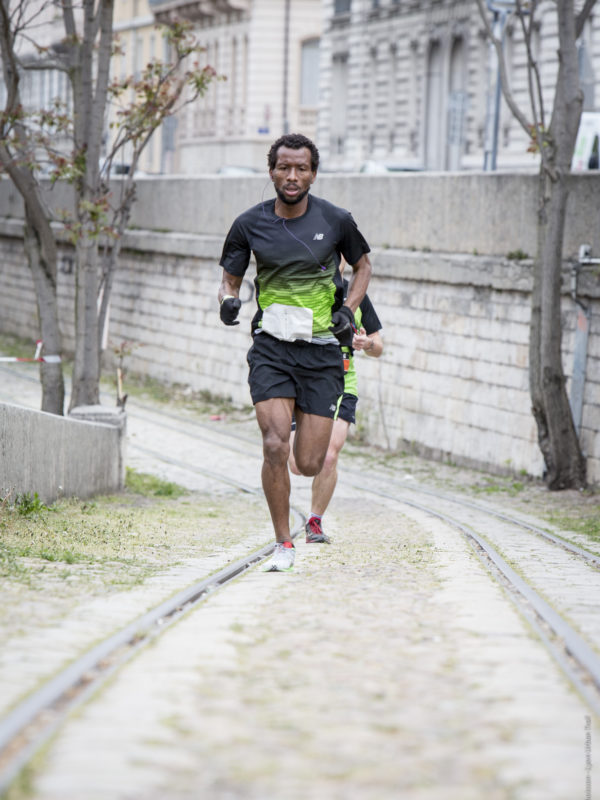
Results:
297 260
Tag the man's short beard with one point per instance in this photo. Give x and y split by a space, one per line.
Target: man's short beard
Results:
293 201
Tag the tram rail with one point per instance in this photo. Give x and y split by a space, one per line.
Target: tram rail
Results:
579 661
25 728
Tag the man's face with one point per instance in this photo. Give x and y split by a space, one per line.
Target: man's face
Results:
292 175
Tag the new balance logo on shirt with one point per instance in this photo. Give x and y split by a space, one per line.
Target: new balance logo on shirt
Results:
318 236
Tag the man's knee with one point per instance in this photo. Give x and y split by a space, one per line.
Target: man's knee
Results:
292 465
275 449
309 464
331 459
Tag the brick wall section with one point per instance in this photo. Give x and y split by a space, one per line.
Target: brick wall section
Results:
453 380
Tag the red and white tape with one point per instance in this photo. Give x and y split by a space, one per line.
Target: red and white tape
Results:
37 357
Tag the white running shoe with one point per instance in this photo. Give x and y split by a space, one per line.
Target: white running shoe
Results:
282 559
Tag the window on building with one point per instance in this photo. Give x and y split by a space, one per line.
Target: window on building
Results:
342 6
434 141
339 102
457 105
309 77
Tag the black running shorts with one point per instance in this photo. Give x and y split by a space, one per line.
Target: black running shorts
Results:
313 374
347 408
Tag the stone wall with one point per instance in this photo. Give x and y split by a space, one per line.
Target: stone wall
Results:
453 380
464 212
60 456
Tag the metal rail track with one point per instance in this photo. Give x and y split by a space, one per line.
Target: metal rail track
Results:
591 558
204 431
574 656
25 729
578 661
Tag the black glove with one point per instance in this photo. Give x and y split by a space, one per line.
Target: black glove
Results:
230 308
342 326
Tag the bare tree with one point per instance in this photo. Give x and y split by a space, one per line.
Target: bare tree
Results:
100 216
555 143
141 106
17 157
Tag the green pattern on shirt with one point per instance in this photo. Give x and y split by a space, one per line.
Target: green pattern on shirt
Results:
351 378
291 289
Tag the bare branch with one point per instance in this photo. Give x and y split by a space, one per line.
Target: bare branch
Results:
69 19
583 16
536 97
510 101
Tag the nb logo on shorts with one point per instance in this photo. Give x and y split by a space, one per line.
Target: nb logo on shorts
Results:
318 236
332 407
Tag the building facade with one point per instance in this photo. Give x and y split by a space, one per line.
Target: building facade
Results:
267 54
411 83
140 41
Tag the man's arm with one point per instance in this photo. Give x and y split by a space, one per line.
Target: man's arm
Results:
359 282
371 344
230 285
229 302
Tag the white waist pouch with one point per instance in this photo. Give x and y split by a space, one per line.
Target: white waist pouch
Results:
288 323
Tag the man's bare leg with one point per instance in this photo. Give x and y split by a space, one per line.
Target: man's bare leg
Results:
274 418
291 457
311 442
325 482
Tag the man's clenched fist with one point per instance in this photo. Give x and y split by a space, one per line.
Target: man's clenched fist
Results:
230 308
342 326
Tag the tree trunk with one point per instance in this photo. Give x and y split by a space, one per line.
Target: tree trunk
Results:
86 368
44 279
557 437
565 465
89 74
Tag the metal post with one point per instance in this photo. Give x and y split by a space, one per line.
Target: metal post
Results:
493 120
501 9
501 25
286 58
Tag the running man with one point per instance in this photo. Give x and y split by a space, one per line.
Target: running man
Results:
295 361
368 339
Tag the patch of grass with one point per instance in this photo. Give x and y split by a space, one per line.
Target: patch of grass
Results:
118 540
28 505
15 346
517 255
19 347
149 485
507 486
587 523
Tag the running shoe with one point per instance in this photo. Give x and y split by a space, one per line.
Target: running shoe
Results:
282 559
314 532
